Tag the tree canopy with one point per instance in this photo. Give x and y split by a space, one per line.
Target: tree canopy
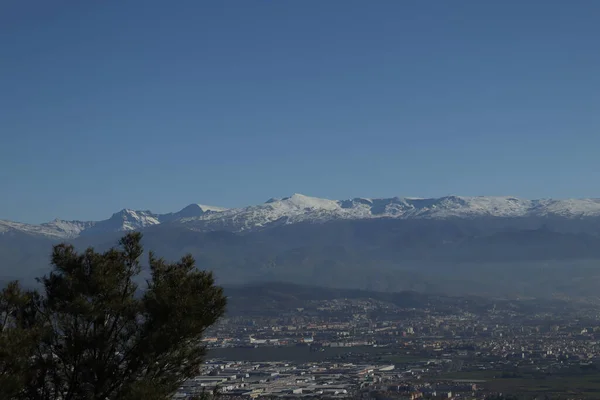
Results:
91 333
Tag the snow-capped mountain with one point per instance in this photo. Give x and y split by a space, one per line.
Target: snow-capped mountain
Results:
191 211
124 220
300 208
55 229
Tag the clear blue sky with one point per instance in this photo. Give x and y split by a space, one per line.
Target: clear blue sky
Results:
157 104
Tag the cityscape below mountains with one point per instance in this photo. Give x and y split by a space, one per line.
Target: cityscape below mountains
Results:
220 200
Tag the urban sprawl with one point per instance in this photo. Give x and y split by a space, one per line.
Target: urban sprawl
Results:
365 348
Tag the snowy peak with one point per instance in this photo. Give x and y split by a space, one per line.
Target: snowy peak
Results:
56 229
465 207
194 210
124 221
302 208
121 221
570 208
443 207
191 211
300 201
130 220
68 229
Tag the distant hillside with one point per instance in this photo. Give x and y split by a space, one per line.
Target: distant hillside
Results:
260 298
276 297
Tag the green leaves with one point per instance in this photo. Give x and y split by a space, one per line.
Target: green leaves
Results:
90 336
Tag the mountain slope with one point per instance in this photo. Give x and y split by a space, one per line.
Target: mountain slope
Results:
459 256
488 256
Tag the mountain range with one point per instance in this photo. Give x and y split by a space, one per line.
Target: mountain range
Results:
490 246
300 208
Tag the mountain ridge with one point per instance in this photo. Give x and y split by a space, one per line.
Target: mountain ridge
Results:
306 242
300 208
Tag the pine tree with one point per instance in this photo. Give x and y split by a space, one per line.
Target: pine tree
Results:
18 338
93 334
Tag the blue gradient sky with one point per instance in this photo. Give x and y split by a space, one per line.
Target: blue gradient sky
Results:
156 104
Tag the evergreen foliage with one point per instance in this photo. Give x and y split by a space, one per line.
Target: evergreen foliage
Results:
91 334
